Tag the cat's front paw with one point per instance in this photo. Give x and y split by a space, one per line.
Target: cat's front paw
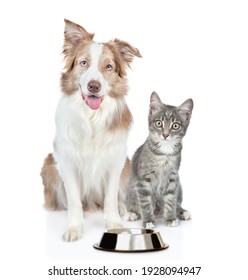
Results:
149 225
131 216
171 223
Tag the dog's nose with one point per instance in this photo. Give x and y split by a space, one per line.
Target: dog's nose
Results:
94 86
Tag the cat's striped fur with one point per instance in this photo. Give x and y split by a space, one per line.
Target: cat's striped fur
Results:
155 184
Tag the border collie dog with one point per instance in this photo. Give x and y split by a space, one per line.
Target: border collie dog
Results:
88 167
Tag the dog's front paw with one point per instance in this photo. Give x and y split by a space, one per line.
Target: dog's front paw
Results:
116 224
122 209
73 233
113 222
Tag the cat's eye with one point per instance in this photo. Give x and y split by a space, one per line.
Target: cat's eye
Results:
83 63
158 123
175 126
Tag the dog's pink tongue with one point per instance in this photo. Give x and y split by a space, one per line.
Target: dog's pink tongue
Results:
93 102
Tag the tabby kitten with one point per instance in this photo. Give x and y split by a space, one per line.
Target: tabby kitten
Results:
155 185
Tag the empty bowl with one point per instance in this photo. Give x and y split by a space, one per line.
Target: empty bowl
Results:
131 240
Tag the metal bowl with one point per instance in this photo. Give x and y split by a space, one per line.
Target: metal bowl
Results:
131 240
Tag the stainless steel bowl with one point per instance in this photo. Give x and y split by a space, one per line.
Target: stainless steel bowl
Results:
131 240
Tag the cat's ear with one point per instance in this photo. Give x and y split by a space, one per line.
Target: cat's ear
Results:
185 109
155 103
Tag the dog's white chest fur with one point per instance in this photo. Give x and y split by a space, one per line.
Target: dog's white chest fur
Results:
84 144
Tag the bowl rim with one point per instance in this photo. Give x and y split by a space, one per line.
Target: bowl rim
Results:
151 232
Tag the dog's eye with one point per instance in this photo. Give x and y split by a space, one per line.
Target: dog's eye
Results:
83 63
109 67
175 126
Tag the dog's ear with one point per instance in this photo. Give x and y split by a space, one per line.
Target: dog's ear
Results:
74 35
123 52
126 51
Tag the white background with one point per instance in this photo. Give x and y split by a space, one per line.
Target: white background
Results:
196 49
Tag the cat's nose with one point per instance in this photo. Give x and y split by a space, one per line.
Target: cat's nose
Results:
165 135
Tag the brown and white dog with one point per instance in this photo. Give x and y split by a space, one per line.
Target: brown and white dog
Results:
88 166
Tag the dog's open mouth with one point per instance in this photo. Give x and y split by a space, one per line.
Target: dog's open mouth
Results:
92 101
